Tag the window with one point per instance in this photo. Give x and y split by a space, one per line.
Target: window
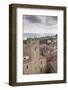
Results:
24 58
27 67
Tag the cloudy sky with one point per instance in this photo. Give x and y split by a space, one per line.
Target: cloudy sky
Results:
40 24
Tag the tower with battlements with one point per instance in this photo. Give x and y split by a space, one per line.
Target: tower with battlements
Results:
34 63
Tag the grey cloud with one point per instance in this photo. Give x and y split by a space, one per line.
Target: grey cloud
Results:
51 20
46 20
32 18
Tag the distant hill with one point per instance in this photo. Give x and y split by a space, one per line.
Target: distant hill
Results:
37 35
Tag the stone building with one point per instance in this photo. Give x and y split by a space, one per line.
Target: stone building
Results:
33 63
40 58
